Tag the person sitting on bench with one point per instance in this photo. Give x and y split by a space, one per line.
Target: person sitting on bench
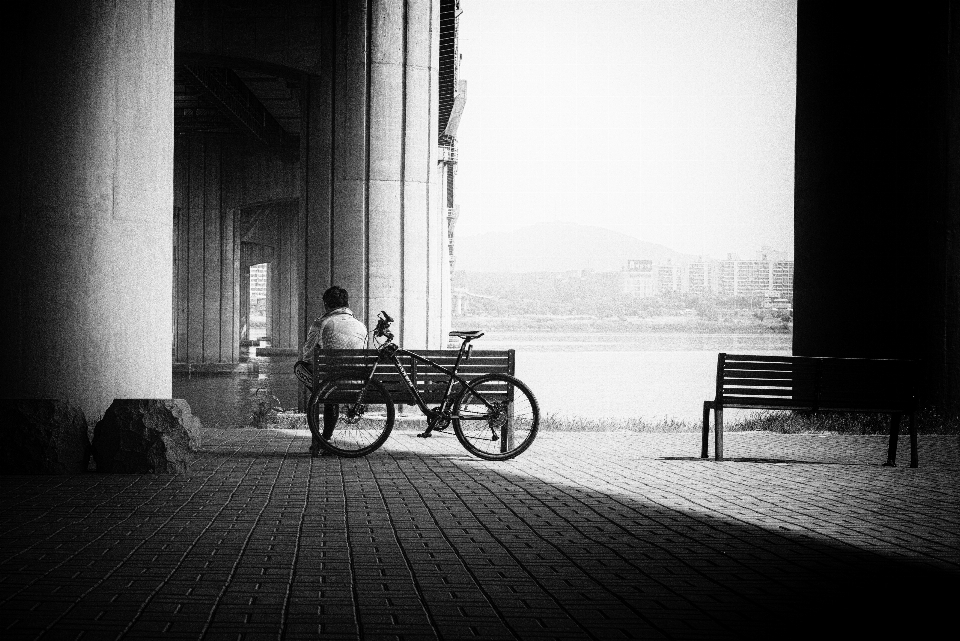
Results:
336 329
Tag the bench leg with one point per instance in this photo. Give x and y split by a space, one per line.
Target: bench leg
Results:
506 432
707 406
718 432
892 445
914 458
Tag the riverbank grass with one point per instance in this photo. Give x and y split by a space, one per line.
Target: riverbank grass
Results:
929 421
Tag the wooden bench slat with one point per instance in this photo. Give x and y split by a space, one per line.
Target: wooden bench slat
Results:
781 392
772 358
430 383
772 367
823 360
760 403
799 404
865 401
752 403
470 373
777 382
886 385
755 373
878 408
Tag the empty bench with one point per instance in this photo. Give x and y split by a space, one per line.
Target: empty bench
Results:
816 384
430 383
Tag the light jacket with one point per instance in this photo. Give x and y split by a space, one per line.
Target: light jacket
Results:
337 329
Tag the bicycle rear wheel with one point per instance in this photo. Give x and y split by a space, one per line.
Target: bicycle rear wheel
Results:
497 419
364 418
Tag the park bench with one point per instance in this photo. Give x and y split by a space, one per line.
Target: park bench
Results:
430 383
815 384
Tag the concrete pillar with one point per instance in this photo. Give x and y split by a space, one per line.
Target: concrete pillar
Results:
268 306
245 306
207 275
285 330
371 214
877 187
87 245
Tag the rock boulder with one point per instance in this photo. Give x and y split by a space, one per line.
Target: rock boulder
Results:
43 437
143 436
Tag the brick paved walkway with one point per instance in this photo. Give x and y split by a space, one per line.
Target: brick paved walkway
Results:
597 536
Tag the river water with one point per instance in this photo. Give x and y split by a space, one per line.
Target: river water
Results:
647 376
653 376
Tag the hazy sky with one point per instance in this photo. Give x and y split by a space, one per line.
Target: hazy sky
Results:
669 120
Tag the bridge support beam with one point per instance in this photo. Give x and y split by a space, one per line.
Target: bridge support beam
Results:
86 248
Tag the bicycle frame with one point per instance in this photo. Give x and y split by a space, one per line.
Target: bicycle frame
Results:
352 384
386 352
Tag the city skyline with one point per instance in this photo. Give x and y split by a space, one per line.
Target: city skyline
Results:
722 254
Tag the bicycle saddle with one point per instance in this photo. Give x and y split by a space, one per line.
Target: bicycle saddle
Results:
471 334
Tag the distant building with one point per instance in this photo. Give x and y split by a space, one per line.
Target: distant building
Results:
734 277
669 278
640 279
745 277
761 278
701 277
258 283
783 278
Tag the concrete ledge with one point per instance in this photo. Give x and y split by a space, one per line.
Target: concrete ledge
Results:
215 369
277 351
43 436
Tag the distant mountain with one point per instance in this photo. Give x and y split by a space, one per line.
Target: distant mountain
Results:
556 247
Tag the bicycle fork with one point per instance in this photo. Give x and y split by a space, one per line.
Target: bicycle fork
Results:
356 409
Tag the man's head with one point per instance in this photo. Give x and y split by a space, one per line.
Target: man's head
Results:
335 297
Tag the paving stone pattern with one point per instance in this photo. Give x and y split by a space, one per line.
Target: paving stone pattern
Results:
585 536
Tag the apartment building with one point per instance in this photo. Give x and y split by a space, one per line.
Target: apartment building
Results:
640 279
754 278
764 277
701 278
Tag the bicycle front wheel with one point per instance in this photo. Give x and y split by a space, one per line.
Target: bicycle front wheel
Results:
363 412
497 418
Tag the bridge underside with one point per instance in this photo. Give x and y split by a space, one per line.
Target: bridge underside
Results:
313 151
157 152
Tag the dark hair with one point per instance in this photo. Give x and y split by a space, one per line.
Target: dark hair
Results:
335 297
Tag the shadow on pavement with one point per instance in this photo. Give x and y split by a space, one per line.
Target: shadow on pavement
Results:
427 546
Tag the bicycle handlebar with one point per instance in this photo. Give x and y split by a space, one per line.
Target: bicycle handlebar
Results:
383 326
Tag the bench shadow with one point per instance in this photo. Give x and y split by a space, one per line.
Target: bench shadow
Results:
749 459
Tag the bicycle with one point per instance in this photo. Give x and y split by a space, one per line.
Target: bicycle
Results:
494 416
